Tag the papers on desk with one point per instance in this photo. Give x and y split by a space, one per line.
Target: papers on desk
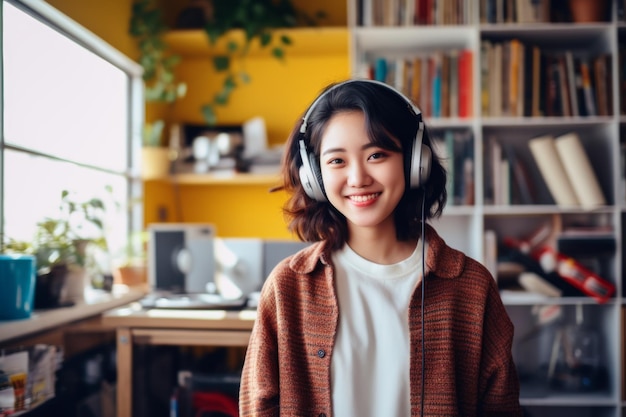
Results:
192 301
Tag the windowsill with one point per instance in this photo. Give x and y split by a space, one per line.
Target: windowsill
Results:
95 303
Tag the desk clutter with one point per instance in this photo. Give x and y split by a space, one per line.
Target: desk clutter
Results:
201 149
27 378
190 267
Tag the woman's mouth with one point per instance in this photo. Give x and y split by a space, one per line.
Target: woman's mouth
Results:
363 198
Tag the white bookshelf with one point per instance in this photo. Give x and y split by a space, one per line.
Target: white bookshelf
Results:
463 226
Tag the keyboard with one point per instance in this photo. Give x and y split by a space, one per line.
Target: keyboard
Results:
192 301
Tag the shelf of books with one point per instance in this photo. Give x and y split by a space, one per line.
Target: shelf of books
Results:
526 102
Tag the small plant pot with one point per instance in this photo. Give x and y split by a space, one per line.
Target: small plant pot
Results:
130 275
587 11
155 163
50 288
76 281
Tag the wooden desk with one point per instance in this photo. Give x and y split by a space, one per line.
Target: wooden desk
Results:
135 325
14 332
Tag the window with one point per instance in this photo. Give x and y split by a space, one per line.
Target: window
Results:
71 120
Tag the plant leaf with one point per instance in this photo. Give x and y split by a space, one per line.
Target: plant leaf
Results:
208 113
232 46
278 53
221 63
245 77
265 38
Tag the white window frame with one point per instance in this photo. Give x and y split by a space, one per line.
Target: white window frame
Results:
55 19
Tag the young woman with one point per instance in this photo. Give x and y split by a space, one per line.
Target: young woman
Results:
356 324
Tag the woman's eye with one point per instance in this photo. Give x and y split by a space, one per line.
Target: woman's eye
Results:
335 161
377 155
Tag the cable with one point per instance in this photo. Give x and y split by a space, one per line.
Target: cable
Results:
423 300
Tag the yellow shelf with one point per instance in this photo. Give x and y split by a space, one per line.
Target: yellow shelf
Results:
305 41
228 178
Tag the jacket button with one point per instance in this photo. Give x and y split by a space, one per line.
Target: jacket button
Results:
321 354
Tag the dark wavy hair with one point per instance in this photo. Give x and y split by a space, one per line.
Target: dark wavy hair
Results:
389 119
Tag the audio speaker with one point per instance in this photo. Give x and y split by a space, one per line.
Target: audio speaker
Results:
181 257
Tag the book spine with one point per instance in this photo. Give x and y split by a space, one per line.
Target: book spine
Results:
416 68
436 89
445 86
600 74
427 78
380 70
495 98
548 161
579 169
496 164
486 58
454 83
536 82
514 74
521 80
571 83
519 176
506 79
563 87
590 102
465 83
491 253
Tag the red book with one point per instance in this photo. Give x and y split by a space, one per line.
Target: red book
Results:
575 274
465 83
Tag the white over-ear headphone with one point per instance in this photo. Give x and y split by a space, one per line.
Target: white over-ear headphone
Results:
311 175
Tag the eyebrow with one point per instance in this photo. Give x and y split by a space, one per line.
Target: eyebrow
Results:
364 147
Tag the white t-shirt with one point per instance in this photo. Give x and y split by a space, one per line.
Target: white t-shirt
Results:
370 363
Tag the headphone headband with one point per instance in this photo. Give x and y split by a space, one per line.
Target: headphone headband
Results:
305 119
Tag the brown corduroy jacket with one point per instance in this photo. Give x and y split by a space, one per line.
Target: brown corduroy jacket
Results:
468 337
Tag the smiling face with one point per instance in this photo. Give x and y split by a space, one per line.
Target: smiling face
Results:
362 181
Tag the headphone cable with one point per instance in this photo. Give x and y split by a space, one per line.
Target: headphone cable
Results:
422 309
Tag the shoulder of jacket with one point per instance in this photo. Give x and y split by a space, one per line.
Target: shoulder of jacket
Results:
443 260
307 259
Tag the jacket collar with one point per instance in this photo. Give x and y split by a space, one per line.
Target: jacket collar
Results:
441 260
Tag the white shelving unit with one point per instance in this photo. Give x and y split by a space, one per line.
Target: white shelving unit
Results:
464 226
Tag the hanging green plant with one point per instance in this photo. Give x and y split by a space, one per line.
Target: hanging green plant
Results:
148 28
257 18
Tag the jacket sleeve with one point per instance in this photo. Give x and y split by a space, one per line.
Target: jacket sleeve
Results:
499 385
259 389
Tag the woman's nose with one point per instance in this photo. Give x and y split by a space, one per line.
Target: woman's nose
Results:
358 176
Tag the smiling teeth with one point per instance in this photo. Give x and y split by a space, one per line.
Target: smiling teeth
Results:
363 198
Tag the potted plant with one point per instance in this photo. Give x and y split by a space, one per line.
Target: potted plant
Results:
586 11
155 158
62 248
131 268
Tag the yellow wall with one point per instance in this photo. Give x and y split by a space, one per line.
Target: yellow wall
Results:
279 92
236 210
107 19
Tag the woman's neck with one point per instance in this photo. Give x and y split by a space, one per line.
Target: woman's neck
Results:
380 247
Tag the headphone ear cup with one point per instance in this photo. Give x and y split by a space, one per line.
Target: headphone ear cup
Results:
421 159
311 176
317 174
426 158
